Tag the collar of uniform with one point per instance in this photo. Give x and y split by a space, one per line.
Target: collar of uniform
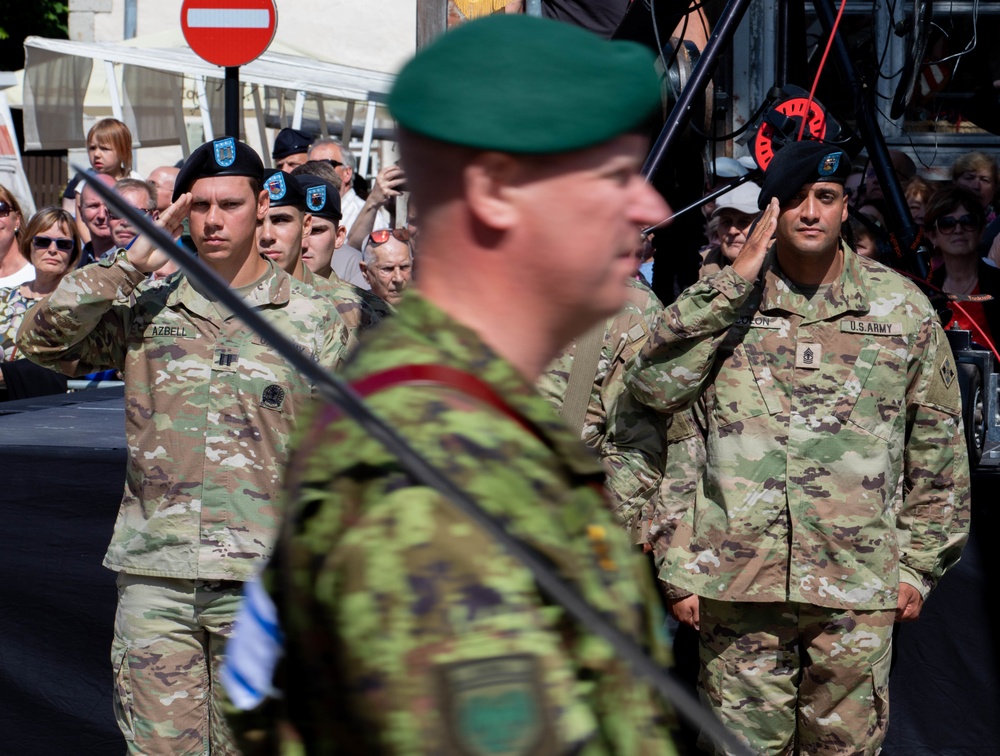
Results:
846 294
451 344
274 288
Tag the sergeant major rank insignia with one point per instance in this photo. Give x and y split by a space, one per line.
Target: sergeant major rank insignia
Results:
272 397
225 151
316 198
276 186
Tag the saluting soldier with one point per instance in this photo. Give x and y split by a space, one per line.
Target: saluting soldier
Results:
209 409
407 629
833 484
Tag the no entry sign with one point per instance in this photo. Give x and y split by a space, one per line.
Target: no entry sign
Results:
229 32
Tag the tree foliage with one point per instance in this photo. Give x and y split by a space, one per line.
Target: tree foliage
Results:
43 18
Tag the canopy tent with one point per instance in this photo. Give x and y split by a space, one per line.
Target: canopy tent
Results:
146 87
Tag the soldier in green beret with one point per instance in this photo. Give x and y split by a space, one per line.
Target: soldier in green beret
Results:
832 485
406 629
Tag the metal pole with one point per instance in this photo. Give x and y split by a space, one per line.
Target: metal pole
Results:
234 102
900 220
680 116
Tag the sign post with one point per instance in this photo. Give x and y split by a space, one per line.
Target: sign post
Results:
229 33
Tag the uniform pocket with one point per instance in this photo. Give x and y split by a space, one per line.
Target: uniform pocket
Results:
880 698
873 398
123 690
742 386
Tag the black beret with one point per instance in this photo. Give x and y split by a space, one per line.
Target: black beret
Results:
322 197
222 157
799 163
284 189
290 142
549 87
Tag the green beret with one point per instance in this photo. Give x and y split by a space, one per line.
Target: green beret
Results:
799 163
222 157
524 84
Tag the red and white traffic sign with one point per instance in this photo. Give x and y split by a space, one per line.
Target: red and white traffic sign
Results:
229 32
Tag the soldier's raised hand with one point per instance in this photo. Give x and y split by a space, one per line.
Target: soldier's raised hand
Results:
751 257
143 254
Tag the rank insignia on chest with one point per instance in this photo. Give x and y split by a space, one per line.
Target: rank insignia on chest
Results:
808 355
494 707
272 397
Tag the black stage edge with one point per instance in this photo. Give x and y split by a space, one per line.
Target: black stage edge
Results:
62 477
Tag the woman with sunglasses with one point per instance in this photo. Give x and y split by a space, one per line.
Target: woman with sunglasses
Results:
954 222
14 269
51 244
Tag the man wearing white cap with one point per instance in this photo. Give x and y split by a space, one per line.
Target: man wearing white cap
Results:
734 212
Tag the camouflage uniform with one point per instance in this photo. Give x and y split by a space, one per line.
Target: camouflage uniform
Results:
437 640
816 406
209 409
359 310
628 437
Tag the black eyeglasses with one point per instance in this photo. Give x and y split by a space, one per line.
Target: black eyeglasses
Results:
5 209
332 162
947 224
44 242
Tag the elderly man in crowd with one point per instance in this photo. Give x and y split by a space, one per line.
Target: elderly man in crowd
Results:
94 215
162 179
140 195
388 263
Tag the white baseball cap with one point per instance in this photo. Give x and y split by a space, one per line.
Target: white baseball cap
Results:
742 198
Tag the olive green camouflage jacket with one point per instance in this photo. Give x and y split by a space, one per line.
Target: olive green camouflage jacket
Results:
835 458
407 629
628 436
209 408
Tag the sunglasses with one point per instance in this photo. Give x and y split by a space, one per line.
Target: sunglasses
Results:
5 209
948 224
331 161
382 235
44 242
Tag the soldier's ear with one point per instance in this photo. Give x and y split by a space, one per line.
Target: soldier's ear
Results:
489 181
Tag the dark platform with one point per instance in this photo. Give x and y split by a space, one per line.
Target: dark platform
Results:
63 467
61 482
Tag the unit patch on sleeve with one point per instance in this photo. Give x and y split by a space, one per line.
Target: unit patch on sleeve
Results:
495 707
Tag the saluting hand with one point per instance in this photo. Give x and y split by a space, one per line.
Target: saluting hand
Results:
751 257
143 254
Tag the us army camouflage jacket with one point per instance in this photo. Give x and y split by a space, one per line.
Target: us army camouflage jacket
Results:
628 437
836 464
208 408
408 630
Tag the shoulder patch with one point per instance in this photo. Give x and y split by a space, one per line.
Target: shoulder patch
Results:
494 707
947 371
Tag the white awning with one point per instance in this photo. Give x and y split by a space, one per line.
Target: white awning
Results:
144 87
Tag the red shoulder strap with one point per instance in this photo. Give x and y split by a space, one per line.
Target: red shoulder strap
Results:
440 375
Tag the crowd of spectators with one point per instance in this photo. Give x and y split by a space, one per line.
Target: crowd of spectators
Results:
349 240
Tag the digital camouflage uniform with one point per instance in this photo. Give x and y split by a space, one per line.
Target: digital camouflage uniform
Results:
836 469
436 639
209 409
628 437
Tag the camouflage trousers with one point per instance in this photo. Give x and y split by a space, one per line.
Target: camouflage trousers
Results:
791 678
166 654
